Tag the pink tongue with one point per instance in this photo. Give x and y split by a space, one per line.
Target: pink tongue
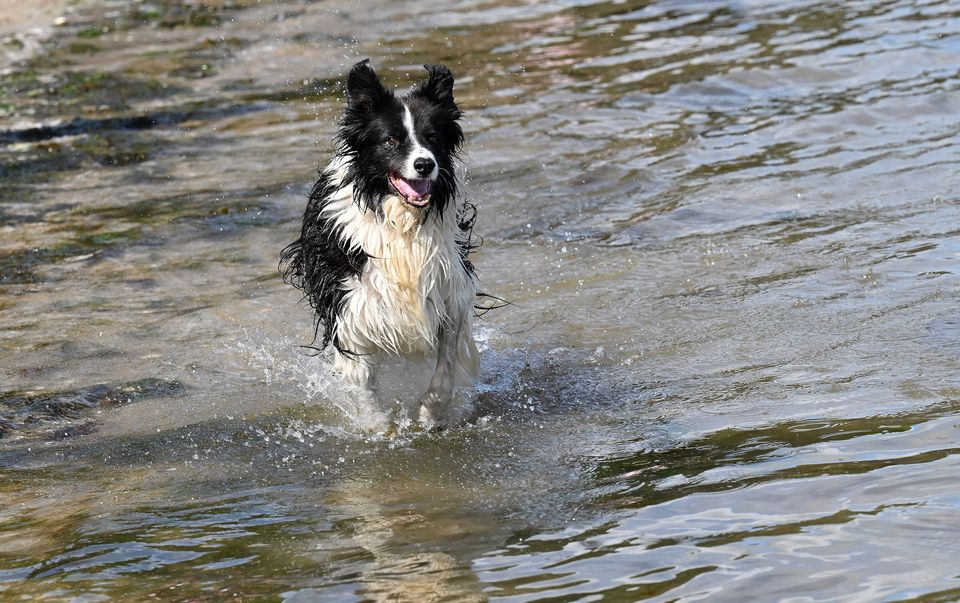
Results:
412 188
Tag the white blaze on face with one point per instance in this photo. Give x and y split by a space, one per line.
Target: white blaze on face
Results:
417 150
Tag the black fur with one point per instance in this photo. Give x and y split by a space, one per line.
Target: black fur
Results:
317 262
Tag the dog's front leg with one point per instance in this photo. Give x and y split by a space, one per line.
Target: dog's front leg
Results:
356 370
433 412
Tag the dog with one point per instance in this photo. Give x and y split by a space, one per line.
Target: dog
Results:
383 249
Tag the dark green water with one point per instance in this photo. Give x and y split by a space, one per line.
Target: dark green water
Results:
730 230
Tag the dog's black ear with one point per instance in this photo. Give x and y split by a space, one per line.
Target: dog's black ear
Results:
364 89
439 85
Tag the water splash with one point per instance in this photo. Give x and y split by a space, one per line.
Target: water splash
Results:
279 360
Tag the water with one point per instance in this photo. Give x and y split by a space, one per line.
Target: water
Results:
728 230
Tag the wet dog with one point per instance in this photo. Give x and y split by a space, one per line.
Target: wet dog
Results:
382 252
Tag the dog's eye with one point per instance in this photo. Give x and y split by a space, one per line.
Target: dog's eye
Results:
432 138
393 141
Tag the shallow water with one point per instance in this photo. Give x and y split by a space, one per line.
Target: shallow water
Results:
729 231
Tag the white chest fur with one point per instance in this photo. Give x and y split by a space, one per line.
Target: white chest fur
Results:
413 280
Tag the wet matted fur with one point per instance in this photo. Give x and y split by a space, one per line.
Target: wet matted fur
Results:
382 251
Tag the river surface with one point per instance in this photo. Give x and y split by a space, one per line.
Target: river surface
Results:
729 231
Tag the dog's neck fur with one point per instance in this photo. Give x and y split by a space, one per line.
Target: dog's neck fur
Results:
412 282
405 243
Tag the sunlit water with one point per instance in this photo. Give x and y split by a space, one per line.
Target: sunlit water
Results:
729 231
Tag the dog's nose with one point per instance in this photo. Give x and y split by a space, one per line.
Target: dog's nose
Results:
423 165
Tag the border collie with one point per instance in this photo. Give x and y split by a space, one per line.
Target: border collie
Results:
382 252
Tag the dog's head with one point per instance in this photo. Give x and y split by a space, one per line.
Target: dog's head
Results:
401 145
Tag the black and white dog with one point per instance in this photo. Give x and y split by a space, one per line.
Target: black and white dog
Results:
382 253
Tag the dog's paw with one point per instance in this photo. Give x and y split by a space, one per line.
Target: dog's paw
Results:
376 423
433 415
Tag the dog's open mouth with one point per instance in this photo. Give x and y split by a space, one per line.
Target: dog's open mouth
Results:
414 192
